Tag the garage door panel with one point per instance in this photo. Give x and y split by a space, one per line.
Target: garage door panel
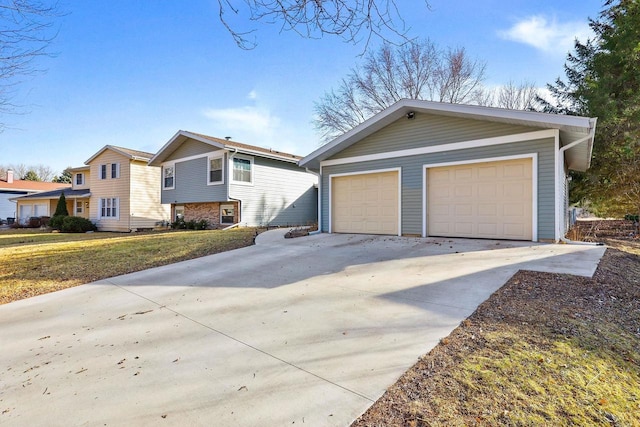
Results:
487 172
463 210
487 189
463 190
490 200
487 209
365 203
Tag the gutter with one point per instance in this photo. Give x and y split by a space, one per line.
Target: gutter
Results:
230 169
561 152
319 230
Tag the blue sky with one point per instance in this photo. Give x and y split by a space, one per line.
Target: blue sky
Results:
133 73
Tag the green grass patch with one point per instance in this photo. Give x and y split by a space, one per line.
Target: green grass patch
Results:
563 382
34 262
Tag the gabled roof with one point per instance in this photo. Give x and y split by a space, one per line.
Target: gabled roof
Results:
127 152
181 136
30 186
572 128
55 194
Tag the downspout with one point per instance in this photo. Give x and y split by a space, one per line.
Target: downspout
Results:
319 230
560 166
235 151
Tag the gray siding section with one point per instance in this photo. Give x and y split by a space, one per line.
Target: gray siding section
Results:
428 130
282 194
190 148
412 180
7 207
191 184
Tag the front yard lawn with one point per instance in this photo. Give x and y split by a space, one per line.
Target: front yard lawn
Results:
34 262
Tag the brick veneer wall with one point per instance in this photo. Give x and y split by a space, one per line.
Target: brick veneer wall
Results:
209 211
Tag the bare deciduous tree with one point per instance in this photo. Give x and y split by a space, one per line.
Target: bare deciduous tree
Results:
20 171
44 172
351 20
415 70
25 34
514 96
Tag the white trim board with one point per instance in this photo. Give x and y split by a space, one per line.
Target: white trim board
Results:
534 185
454 146
367 172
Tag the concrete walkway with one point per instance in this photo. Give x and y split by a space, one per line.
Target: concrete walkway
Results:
305 331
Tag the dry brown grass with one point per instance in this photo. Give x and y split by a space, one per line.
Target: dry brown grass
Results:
33 262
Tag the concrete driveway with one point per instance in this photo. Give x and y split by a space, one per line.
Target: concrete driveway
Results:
307 331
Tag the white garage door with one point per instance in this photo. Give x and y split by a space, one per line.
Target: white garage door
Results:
490 200
365 203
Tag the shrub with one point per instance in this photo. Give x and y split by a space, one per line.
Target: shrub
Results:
76 224
179 224
193 224
56 221
630 217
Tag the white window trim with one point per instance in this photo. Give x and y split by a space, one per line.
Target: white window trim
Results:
110 171
534 185
253 171
106 171
173 166
366 172
213 157
80 204
116 200
79 174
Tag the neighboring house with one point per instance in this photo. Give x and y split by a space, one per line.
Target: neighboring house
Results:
226 182
10 188
434 169
116 190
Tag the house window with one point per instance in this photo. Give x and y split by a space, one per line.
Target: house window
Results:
179 211
78 206
215 171
242 169
168 181
227 214
115 170
103 171
109 208
79 179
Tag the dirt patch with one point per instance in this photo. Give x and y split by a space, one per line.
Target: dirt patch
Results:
545 349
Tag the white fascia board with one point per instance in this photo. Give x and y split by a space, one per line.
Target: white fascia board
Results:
159 157
96 155
397 110
507 139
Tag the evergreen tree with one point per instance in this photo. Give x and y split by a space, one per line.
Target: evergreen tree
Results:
61 207
603 80
65 177
61 213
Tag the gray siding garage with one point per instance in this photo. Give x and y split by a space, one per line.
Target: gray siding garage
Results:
504 171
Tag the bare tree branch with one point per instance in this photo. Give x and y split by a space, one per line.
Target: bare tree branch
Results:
351 20
415 70
25 34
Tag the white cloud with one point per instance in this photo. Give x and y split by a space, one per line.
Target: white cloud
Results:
253 94
547 35
246 120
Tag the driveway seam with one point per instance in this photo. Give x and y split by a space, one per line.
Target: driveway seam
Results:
242 342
